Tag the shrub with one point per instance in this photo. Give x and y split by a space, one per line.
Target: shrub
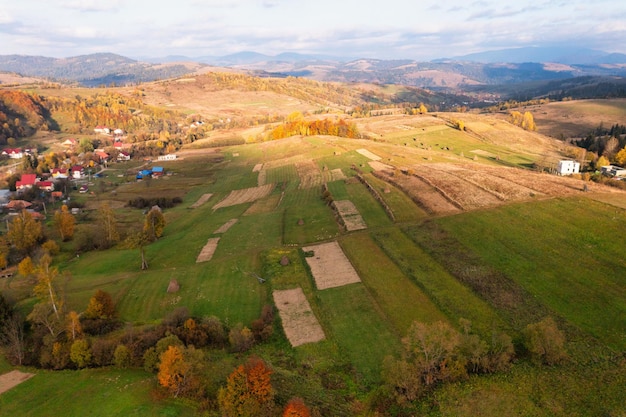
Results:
545 342
122 358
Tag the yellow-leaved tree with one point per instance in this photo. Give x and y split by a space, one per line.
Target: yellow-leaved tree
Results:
64 222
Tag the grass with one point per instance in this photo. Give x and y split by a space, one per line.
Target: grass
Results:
397 296
567 259
103 392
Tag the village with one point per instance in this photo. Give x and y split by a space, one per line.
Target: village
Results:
36 179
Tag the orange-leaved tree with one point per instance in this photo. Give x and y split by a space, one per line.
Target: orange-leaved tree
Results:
64 222
248 391
296 408
174 372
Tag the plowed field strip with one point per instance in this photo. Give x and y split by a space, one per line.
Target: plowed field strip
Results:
299 323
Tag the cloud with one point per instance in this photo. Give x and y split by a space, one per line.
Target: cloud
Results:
92 5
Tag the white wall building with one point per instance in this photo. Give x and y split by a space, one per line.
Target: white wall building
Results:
568 168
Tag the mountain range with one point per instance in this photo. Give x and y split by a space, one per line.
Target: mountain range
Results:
503 67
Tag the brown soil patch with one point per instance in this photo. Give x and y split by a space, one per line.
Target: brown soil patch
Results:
262 178
246 195
257 168
309 174
379 166
350 216
369 154
13 378
337 174
203 199
208 250
330 266
299 322
264 205
224 228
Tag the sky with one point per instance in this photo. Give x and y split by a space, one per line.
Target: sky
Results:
386 29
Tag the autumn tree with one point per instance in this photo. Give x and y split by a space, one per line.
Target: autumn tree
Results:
100 306
108 224
154 223
248 391
179 370
26 267
80 353
24 232
545 342
601 162
620 157
296 408
64 222
46 288
73 327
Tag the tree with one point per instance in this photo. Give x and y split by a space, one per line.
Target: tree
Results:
620 158
64 222
106 220
24 232
545 342
122 357
601 162
139 240
248 391
26 268
80 353
72 324
422 109
296 408
100 306
45 288
528 122
154 223
179 369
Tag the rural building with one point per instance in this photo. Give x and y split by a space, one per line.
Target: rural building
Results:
146 173
13 153
168 157
59 173
613 171
70 143
103 130
123 156
568 168
157 172
26 181
45 185
77 172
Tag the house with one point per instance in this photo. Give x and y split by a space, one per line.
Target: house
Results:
118 132
146 173
26 181
123 156
45 185
13 153
613 171
157 172
18 205
59 173
103 130
83 189
77 171
568 167
168 157
70 142
101 155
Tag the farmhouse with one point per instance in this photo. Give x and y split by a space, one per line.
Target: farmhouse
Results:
13 153
123 156
613 171
77 171
26 181
568 167
157 172
59 173
45 185
168 157
103 130
70 142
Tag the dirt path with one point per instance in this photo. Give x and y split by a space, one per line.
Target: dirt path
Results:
13 378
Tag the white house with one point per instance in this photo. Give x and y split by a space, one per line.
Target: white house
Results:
568 167
168 157
613 171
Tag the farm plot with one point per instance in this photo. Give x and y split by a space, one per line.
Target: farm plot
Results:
335 175
299 323
379 166
465 194
369 154
330 266
309 174
203 199
246 195
421 193
13 378
208 250
350 216
224 228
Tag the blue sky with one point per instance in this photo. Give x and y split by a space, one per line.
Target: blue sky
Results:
412 29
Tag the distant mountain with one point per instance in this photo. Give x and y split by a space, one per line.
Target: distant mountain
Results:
92 70
563 55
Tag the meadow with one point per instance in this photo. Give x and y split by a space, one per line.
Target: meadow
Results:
500 268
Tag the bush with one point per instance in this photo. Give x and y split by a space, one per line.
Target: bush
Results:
545 342
122 358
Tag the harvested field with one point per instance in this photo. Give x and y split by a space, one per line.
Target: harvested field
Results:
246 195
208 250
13 378
257 168
379 166
369 154
201 200
330 266
464 194
309 174
224 228
261 179
337 174
349 214
421 193
264 205
299 322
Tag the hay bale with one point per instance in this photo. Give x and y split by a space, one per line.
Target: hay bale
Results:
284 261
173 286
300 222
